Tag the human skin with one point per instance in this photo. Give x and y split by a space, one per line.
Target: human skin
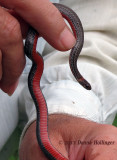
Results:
15 19
64 133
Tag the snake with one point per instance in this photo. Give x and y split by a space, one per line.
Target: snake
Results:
36 72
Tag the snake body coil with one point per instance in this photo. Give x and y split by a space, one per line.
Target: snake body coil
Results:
36 73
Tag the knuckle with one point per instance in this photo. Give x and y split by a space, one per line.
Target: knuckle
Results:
9 27
52 12
55 20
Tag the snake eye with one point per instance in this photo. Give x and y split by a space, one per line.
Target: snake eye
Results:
87 86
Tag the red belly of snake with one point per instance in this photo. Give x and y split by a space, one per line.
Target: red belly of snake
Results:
36 72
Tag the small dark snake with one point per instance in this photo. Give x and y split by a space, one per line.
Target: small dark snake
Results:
36 72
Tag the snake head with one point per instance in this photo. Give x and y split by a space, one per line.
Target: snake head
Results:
84 83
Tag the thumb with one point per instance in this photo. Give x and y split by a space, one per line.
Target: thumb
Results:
46 19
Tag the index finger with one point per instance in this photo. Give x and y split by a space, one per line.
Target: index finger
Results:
46 19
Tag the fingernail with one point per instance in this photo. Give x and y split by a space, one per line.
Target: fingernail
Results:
67 39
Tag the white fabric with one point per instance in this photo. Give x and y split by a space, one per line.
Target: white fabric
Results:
97 63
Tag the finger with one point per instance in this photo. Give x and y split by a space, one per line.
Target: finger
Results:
46 19
11 45
23 24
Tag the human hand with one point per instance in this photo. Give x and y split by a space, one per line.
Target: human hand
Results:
99 141
14 20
